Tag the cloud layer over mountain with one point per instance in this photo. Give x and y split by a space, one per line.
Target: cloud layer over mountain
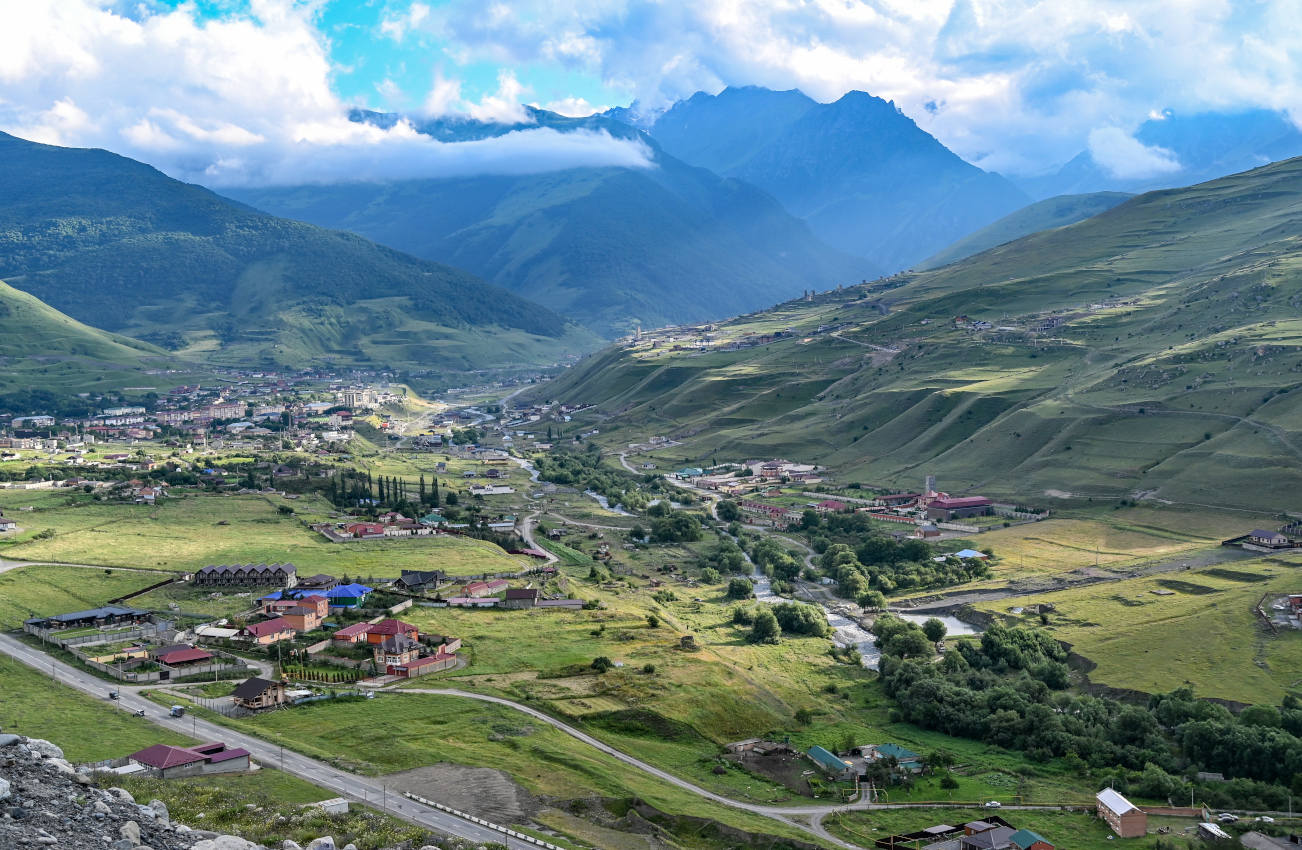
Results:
242 99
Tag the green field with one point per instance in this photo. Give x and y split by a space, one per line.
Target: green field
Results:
86 727
1200 631
419 730
190 531
46 590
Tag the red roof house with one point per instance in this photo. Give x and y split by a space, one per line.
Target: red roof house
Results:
355 633
184 656
269 631
391 628
166 761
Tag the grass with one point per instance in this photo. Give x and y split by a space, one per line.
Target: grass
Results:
45 590
1202 634
421 730
194 530
88 729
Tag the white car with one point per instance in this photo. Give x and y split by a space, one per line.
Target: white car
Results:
1226 817
993 804
1265 819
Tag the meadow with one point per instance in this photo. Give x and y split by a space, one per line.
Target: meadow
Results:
1191 627
45 590
189 531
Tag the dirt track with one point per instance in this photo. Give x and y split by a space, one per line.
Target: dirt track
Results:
481 791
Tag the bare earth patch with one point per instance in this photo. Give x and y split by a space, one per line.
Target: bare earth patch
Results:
481 791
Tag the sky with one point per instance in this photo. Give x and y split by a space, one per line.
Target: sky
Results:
230 92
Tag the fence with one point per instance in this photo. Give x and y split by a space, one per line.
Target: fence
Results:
465 816
131 633
401 606
956 526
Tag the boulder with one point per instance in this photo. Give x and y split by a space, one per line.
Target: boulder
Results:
130 831
45 748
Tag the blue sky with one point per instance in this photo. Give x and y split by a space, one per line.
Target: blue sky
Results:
258 90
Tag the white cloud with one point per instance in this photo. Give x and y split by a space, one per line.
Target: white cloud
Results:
1014 85
1126 158
572 107
243 99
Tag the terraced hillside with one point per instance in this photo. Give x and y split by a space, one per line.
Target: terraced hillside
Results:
1152 350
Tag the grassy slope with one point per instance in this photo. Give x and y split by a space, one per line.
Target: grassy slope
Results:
114 242
1204 633
1176 386
39 346
1042 215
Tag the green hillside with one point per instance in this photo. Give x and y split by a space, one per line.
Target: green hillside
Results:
41 347
611 247
115 243
1154 350
1041 215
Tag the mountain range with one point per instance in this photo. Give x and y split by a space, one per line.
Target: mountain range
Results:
1196 148
611 247
864 176
1151 351
115 243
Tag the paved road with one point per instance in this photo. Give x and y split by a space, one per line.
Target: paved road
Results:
364 789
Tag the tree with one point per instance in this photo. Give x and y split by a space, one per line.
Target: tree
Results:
728 511
652 621
601 664
434 498
710 575
934 629
765 629
637 532
740 588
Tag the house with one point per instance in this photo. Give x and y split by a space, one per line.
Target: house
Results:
351 635
180 656
433 519
520 597
994 838
168 762
258 693
7 524
905 759
423 666
484 588
829 506
927 530
391 628
364 529
348 595
471 601
320 581
260 575
268 631
395 650
1125 819
834 766
108 615
1269 539
1025 839
304 617
948 509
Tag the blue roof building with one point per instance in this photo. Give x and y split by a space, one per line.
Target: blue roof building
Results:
834 766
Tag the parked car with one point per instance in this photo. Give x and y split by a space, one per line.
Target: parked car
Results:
1265 819
993 804
1226 817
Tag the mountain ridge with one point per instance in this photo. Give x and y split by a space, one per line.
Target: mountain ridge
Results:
615 247
1150 351
114 242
